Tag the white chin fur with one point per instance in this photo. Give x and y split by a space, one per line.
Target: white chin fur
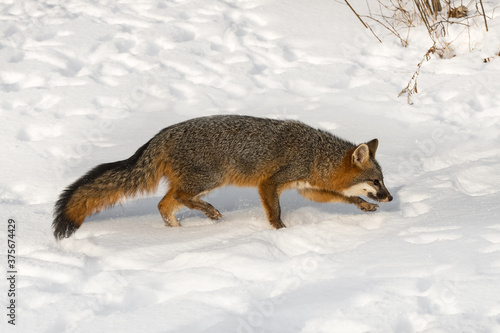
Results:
359 189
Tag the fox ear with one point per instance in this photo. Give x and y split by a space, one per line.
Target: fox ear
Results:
361 155
372 146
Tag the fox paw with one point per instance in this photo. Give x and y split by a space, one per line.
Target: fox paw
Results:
278 224
214 214
169 221
367 207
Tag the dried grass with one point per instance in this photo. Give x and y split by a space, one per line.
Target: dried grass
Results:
401 16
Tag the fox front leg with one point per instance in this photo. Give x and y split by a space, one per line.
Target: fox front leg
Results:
329 196
269 195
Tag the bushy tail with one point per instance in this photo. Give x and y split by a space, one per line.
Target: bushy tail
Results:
103 187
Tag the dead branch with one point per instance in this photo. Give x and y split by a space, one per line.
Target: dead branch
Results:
359 17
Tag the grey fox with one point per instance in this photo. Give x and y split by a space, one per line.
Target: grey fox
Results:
199 155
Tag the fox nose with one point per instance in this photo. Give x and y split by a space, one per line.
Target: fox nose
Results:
384 197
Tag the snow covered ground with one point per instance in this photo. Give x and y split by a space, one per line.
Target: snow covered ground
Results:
88 82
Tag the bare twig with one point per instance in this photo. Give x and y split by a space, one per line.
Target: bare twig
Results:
423 15
484 14
436 6
348 4
359 17
392 29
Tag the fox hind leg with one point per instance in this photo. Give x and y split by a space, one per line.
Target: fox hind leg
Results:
168 206
192 201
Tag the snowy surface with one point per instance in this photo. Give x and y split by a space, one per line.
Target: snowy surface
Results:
88 82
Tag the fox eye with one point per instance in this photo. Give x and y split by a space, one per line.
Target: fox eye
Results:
376 182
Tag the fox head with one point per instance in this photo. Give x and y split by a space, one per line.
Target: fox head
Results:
368 180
